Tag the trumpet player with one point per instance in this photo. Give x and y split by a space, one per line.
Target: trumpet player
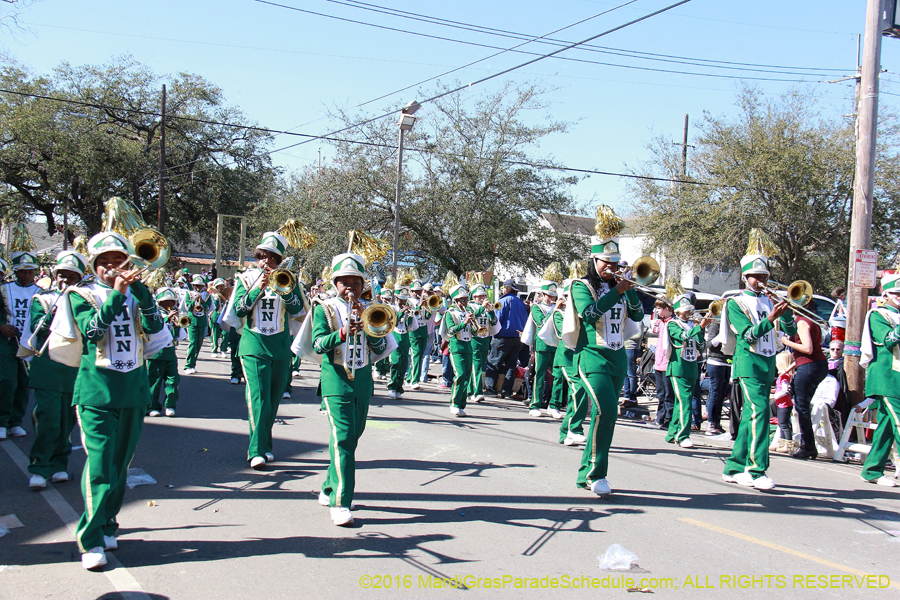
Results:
162 367
543 354
265 342
16 296
335 337
406 323
485 321
418 337
218 337
198 304
686 342
457 327
750 325
53 382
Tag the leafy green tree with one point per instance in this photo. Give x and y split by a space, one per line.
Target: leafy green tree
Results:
780 164
105 142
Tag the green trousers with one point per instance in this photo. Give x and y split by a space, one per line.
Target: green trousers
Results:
542 362
602 390
266 380
109 437
196 333
219 341
480 349
680 425
399 365
887 433
577 407
347 421
53 419
13 391
418 352
164 377
234 340
383 366
295 366
750 452
462 379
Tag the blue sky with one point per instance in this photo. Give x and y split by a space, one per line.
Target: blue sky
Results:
284 68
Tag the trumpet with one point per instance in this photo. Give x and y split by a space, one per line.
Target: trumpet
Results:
433 303
179 319
645 271
416 312
799 293
495 306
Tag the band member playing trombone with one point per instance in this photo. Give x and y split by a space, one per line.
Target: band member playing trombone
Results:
53 383
263 317
406 323
335 336
418 337
198 304
457 327
686 342
162 367
750 325
596 325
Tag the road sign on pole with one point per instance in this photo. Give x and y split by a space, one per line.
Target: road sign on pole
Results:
865 268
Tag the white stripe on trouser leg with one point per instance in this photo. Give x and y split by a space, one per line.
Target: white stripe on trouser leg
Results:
598 415
751 448
336 453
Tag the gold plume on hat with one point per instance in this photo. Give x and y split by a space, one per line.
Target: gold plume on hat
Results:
121 216
405 277
297 235
389 282
156 280
414 272
80 245
20 239
608 224
673 288
553 272
761 243
577 269
450 280
304 277
368 246
326 273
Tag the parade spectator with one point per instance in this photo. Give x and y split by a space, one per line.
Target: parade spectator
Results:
506 344
718 370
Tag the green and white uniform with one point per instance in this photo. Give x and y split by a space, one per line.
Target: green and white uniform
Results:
686 342
53 384
481 347
219 337
15 311
753 337
881 358
458 335
543 354
406 323
601 363
162 369
566 376
264 352
418 340
198 305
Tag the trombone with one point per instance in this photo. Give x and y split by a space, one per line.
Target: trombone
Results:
798 295
282 281
645 271
148 250
714 312
378 320
432 304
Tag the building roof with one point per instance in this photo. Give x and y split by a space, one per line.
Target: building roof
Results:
45 243
579 225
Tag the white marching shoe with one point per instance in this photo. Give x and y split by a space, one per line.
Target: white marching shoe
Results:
341 515
601 487
59 477
110 542
37 482
93 558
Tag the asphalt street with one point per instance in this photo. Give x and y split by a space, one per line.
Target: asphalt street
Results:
477 507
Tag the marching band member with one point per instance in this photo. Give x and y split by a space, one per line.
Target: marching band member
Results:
406 322
686 342
197 303
219 338
264 319
418 337
52 382
16 297
599 315
486 322
750 326
430 324
162 367
457 327
881 358
334 337
565 376
543 354
113 317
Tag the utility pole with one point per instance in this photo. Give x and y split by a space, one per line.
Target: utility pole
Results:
684 147
861 223
66 223
161 216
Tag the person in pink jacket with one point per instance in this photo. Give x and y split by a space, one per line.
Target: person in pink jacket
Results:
665 395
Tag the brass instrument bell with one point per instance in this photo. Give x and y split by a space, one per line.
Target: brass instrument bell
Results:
378 320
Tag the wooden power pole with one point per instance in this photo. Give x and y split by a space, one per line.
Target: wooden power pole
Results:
161 216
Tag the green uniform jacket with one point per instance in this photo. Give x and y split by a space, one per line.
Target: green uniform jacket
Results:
108 388
277 345
590 357
882 378
168 353
9 346
47 374
747 363
407 319
564 357
334 380
678 367
199 320
539 318
456 325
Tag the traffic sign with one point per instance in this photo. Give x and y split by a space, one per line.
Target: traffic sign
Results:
865 268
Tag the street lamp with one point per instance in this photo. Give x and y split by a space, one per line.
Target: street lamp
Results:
406 122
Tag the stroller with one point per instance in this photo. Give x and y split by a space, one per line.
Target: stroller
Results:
646 376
